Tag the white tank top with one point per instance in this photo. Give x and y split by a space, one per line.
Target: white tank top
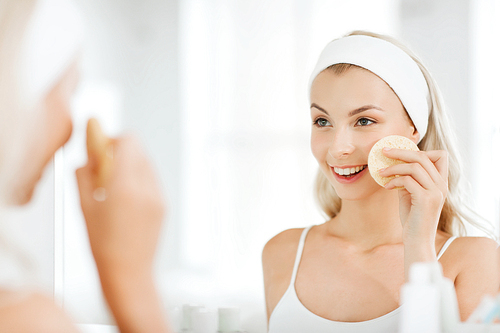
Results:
291 316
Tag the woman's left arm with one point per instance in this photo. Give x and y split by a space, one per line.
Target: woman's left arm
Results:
423 187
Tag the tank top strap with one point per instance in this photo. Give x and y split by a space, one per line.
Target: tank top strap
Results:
299 254
445 246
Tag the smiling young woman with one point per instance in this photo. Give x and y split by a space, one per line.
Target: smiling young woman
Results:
345 275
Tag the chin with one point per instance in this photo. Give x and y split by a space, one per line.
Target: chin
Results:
22 196
354 193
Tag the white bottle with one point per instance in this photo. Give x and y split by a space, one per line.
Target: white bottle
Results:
450 314
229 320
187 316
204 321
420 298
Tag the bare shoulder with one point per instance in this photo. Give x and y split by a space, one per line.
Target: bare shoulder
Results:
475 262
474 248
283 243
278 258
466 253
33 312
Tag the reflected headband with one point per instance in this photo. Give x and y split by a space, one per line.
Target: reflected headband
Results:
387 61
52 40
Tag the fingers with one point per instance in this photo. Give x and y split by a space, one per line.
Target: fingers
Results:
404 182
82 177
418 173
414 170
440 160
434 162
423 170
408 183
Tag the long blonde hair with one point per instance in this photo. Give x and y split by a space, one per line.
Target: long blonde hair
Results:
439 136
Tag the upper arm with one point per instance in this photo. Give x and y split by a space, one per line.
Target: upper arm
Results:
478 274
278 258
32 313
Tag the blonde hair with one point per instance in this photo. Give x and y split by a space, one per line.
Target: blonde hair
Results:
439 136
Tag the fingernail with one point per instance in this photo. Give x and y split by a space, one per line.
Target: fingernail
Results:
100 194
387 148
381 170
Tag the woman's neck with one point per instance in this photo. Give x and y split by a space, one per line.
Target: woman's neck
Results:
369 222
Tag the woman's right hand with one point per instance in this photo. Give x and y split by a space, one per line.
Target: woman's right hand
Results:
123 229
123 232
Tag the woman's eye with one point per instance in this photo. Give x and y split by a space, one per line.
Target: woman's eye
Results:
321 122
364 122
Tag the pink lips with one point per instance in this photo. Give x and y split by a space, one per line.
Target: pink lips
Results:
348 180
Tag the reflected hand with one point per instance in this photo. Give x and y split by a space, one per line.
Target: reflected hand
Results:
124 228
123 232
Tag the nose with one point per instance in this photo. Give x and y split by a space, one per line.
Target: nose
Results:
341 146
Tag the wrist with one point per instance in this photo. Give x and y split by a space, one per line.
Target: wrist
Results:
419 239
420 252
116 274
133 299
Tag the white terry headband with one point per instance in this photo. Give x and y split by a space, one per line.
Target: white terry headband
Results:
388 62
52 39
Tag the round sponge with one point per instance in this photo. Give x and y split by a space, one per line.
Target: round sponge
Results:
377 160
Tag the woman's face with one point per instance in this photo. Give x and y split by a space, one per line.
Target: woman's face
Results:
55 133
350 113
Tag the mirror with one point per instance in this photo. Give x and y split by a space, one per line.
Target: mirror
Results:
217 93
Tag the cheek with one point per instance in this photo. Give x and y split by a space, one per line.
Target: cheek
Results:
61 129
319 146
370 143
67 128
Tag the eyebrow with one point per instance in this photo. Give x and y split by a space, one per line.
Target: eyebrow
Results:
351 113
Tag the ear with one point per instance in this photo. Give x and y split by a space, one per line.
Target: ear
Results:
415 136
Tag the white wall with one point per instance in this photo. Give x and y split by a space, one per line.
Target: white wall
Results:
439 32
456 40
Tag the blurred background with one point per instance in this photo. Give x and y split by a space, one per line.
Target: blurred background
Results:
216 90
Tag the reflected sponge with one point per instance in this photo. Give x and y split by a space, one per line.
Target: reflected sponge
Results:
99 149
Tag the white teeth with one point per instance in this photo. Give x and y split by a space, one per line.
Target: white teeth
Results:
348 171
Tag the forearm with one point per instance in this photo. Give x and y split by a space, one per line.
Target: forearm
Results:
134 302
418 251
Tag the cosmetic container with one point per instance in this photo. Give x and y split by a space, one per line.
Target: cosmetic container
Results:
187 316
449 312
229 320
420 299
484 310
204 321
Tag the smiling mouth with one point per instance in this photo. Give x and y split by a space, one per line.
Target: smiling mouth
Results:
349 172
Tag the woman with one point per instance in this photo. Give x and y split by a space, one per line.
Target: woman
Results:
345 275
39 43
